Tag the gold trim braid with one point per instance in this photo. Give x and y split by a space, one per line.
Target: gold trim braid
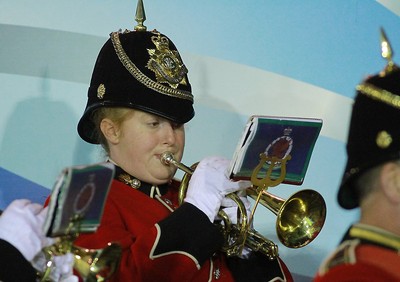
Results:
142 78
379 94
376 236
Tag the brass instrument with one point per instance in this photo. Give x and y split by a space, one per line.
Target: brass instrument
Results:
299 218
91 264
97 265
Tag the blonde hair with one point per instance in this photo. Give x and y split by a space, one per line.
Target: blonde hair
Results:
116 114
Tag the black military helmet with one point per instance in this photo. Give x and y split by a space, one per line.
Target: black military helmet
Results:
138 69
374 133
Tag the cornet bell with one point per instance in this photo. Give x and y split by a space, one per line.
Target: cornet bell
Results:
301 218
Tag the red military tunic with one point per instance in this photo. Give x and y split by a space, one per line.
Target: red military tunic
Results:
163 243
366 254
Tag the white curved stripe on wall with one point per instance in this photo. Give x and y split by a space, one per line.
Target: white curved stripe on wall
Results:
253 91
392 5
59 55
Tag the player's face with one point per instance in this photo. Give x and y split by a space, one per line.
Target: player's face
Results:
142 138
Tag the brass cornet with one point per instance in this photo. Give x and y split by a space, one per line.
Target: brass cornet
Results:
299 218
92 265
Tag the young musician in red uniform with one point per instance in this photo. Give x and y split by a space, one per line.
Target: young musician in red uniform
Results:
138 103
370 249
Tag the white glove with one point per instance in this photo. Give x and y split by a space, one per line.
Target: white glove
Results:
61 267
209 184
230 208
21 225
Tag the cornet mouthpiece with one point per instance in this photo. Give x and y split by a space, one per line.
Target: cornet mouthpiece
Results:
167 158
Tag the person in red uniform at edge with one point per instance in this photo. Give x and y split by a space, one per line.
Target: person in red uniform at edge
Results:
22 241
369 250
139 100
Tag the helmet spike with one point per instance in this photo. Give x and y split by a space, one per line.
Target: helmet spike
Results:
140 16
387 53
